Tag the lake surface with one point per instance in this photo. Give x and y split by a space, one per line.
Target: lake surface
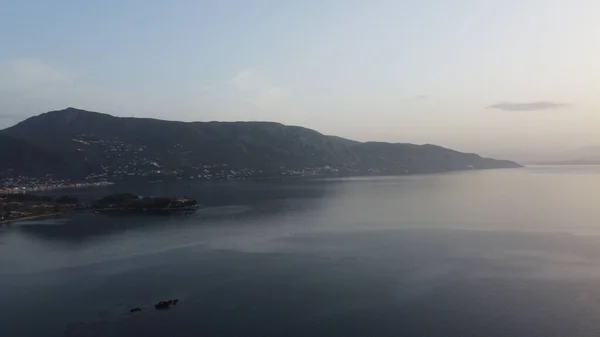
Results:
487 253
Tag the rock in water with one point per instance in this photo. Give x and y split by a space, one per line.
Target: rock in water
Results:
166 304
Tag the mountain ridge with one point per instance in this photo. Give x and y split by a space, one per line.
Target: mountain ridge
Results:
578 161
117 147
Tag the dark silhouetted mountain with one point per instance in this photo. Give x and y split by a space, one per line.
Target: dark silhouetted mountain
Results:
119 144
20 157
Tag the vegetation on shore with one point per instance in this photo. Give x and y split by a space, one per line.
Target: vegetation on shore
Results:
15 207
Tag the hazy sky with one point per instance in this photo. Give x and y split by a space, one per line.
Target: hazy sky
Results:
474 75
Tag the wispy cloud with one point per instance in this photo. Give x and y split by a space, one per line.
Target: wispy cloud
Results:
31 85
9 116
528 106
256 89
29 74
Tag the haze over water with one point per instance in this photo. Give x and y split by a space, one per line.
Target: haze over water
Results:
486 253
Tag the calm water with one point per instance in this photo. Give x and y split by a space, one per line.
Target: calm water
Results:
493 253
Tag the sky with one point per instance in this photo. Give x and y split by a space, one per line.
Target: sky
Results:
495 77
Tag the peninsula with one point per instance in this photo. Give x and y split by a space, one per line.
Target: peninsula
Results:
73 146
15 207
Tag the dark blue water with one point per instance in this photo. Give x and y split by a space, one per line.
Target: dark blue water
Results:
494 253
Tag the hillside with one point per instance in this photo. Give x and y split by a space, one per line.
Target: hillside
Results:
121 147
20 157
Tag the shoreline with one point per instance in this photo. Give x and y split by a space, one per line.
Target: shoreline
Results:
34 217
23 190
99 210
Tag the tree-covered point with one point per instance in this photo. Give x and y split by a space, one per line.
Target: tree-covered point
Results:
32 198
67 199
132 201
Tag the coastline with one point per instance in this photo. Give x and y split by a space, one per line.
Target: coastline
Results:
23 189
100 210
34 217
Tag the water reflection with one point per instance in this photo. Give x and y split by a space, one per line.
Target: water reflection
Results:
222 202
214 193
492 253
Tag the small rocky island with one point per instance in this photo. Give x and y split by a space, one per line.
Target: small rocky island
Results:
14 207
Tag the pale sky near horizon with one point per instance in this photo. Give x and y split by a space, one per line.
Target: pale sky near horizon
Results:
473 75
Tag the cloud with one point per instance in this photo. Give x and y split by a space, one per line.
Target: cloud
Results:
29 74
417 98
256 89
29 86
529 106
9 116
248 79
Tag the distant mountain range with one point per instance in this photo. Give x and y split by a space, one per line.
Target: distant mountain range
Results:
79 144
589 155
579 161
